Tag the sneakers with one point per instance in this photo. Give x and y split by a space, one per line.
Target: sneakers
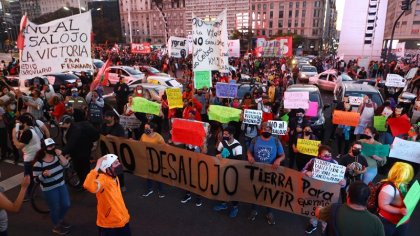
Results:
310 228
186 198
198 202
220 207
60 230
161 195
270 219
64 225
253 215
147 193
234 212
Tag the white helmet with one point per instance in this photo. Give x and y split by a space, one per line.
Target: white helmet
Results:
107 162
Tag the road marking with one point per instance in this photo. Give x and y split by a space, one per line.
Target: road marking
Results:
12 162
12 182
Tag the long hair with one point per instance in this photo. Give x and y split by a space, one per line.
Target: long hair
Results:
400 173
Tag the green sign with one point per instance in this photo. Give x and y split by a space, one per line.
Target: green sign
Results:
375 149
410 201
379 123
145 106
202 79
224 114
285 117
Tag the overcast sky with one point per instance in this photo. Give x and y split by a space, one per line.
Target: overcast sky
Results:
340 9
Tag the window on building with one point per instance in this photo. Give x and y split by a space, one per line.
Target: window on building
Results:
317 3
280 24
289 23
280 14
271 15
416 22
302 32
270 33
314 32
253 7
403 23
290 13
290 5
417 13
264 6
304 4
270 24
263 32
302 23
297 13
303 13
271 5
259 6
297 4
295 31
296 23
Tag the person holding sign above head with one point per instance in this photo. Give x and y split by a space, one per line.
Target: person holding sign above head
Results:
367 111
296 124
368 137
343 133
265 149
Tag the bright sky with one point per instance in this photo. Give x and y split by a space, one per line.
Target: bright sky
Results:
340 10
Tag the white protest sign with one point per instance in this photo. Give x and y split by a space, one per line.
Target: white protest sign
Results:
394 80
190 44
57 46
253 117
177 47
210 44
130 122
234 48
327 171
295 100
355 100
405 150
400 49
278 127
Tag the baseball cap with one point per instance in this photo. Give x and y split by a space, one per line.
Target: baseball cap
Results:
74 89
49 142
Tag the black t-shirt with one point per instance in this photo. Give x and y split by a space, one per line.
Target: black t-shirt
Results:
358 162
115 130
26 136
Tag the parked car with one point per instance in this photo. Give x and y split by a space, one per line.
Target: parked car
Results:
327 80
164 81
57 79
149 70
306 72
358 90
127 72
244 88
156 91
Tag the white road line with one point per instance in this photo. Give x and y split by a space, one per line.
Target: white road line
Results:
12 162
12 182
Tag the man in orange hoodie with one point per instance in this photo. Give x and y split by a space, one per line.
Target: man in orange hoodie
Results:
112 217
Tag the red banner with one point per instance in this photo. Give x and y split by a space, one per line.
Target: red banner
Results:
188 132
278 47
141 48
400 125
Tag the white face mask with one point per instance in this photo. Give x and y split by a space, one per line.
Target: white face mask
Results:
139 91
387 112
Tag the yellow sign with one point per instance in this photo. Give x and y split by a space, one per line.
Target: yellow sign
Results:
308 147
174 98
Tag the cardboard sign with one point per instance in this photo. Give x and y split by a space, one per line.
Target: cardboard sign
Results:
379 150
308 147
177 47
202 79
379 122
411 200
313 109
224 114
145 106
278 127
141 48
223 180
356 101
346 118
174 96
226 90
327 171
405 150
188 132
252 117
57 46
234 48
295 100
279 47
130 122
400 125
394 80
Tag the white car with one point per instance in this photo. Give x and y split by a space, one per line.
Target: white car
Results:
307 71
128 73
164 81
156 91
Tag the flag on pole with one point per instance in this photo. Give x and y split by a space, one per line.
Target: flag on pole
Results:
20 39
102 76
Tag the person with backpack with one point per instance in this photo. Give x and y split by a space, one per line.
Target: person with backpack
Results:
391 206
265 149
229 148
351 218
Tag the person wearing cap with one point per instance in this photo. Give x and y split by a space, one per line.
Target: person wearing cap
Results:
112 214
48 170
77 101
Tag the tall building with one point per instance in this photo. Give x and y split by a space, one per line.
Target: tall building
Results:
53 5
31 8
106 21
361 37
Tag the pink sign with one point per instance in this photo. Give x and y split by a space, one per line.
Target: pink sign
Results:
313 109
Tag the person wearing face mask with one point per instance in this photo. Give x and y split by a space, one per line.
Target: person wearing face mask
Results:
202 98
248 102
49 171
138 91
302 159
35 105
112 214
367 111
324 153
373 161
191 105
76 101
95 109
265 149
121 91
296 123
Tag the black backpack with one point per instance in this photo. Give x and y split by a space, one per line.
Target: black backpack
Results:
375 189
230 149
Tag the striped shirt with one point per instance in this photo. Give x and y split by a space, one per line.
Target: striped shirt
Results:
56 177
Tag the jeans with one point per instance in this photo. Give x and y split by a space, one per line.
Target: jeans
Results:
392 230
370 174
58 200
123 231
27 170
150 183
255 208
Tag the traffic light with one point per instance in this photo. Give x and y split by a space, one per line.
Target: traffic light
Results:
406 5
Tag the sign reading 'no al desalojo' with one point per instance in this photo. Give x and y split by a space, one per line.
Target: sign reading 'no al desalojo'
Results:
278 127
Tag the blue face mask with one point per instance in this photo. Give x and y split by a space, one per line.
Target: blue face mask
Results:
75 94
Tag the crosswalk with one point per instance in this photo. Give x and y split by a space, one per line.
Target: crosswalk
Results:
13 181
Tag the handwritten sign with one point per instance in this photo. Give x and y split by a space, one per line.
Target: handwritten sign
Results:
129 122
174 98
346 118
253 117
411 200
202 79
394 80
308 147
141 48
295 100
177 47
226 90
327 171
145 106
234 48
379 150
279 47
399 125
379 122
313 109
356 101
405 150
224 114
188 132
210 39
57 46
278 127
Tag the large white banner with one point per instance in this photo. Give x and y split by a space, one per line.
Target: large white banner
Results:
234 48
57 46
400 50
405 150
177 47
210 44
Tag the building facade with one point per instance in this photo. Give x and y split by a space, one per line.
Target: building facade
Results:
53 5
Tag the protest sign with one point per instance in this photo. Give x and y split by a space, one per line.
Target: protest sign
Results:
279 47
312 110
327 171
411 200
210 39
285 117
202 79
57 46
234 48
177 47
356 101
252 117
379 150
141 48
145 106
224 114
394 80
295 100
346 118
415 117
405 150
188 132
379 122
129 122
226 90
278 127
174 98
308 147
399 125
223 180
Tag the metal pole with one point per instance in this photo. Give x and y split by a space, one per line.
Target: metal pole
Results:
80 9
388 53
